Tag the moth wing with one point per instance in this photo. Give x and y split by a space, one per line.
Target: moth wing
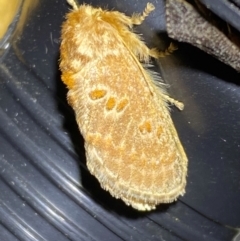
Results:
131 144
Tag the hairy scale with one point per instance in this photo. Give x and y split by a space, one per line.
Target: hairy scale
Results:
131 144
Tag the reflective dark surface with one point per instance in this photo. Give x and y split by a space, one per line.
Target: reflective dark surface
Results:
46 192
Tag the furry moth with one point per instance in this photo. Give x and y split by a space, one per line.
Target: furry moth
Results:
131 144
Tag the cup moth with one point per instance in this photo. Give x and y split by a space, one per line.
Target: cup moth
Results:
131 144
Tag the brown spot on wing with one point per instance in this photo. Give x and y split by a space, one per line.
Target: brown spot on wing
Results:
97 94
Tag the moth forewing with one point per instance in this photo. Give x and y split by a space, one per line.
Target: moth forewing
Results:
131 144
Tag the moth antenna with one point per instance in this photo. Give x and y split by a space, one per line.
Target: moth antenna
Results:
137 19
73 4
172 101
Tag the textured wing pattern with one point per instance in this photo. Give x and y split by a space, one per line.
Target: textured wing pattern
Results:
131 144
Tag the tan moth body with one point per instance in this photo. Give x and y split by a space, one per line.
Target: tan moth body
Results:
131 144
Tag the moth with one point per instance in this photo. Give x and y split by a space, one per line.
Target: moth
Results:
131 144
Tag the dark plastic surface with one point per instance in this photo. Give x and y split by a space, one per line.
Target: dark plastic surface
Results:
227 10
47 192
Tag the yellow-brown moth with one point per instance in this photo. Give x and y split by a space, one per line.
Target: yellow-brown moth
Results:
131 144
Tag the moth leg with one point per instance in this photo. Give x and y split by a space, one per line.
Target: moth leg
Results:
137 18
142 51
155 53
73 4
172 101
